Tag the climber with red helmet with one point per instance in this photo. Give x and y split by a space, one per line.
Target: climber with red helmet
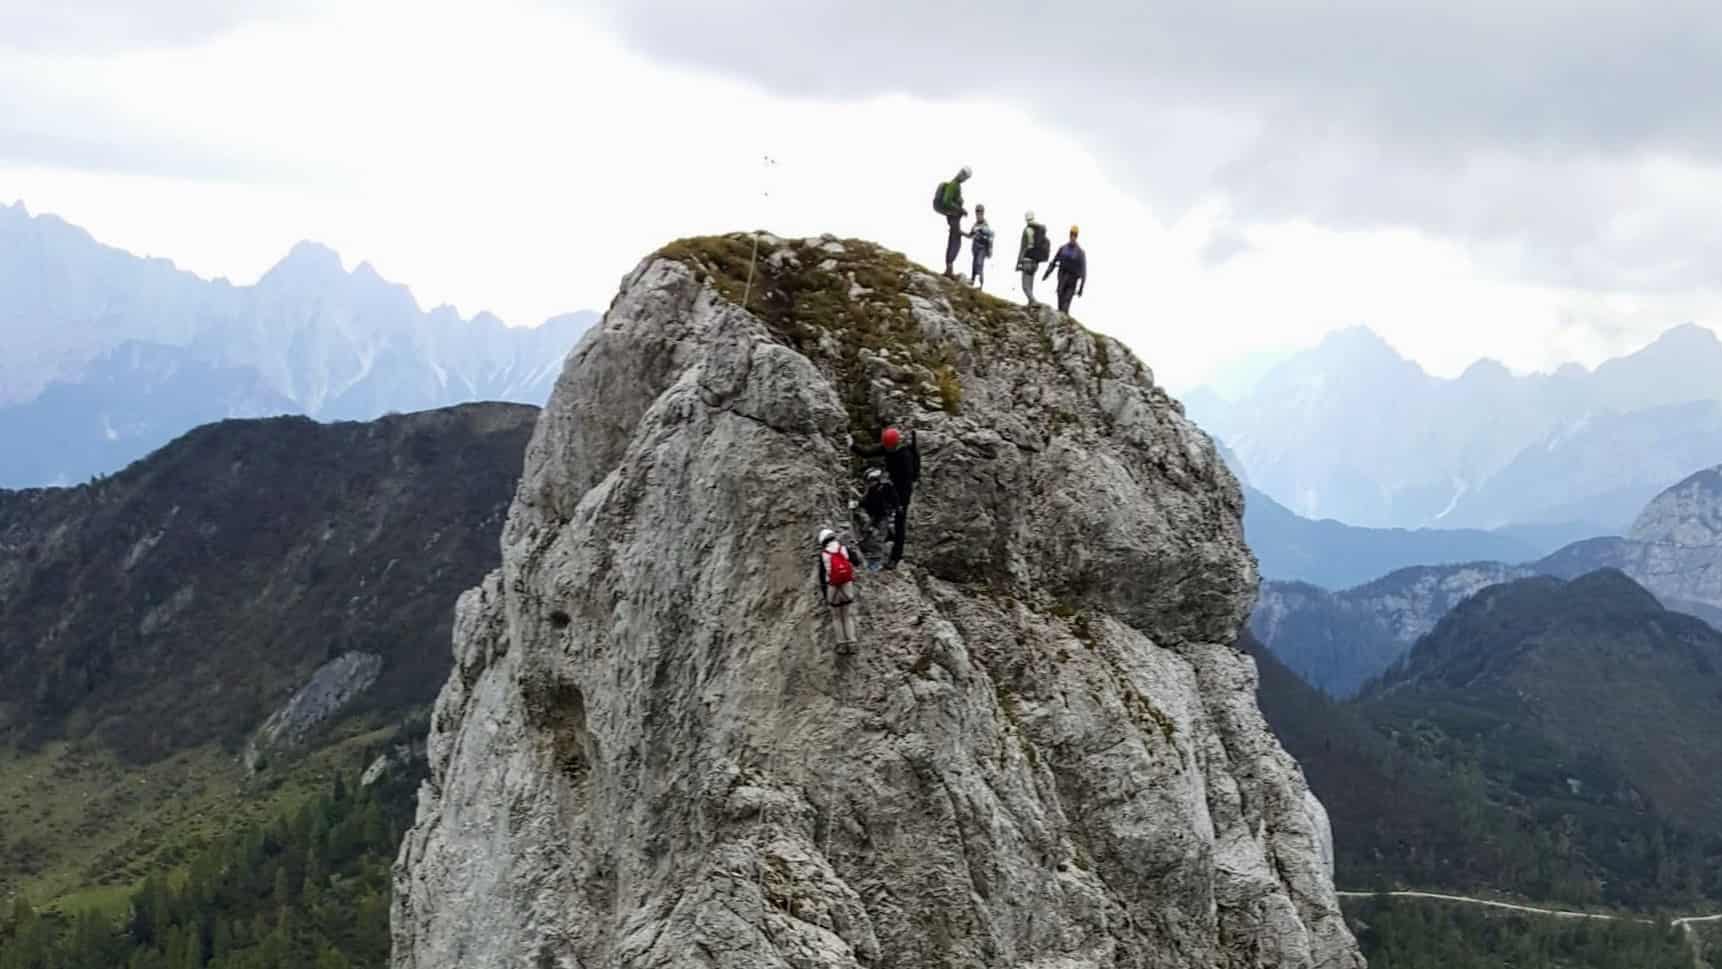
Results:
902 455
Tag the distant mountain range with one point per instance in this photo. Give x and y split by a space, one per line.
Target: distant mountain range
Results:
1350 430
1549 739
109 356
1335 555
1339 640
275 588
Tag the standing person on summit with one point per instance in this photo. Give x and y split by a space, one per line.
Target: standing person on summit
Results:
903 464
980 246
1072 265
1031 251
948 202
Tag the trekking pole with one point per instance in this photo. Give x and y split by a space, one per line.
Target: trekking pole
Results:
768 163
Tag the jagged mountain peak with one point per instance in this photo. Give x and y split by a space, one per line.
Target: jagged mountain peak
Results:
1357 341
332 343
1045 719
308 259
1486 369
1683 338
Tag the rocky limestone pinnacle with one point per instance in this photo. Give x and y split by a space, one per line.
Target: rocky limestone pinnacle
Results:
1044 752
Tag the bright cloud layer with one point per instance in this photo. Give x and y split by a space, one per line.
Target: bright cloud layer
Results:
520 157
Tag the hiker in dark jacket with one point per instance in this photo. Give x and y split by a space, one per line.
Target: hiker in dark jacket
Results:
878 516
1030 253
903 464
980 246
1072 265
951 207
837 584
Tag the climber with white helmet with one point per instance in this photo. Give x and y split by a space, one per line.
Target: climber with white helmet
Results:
1031 251
948 202
1072 265
837 585
902 455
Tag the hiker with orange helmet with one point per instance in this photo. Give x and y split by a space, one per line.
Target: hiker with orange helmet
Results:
902 455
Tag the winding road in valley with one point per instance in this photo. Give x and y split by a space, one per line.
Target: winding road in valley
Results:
1685 923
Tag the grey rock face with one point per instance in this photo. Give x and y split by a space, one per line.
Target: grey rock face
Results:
1687 515
1043 753
334 685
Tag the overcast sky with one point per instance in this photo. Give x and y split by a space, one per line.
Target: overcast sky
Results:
1523 179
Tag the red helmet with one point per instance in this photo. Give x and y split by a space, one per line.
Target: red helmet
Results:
891 438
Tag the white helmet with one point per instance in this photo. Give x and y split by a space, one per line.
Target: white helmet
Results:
1028 216
826 536
964 172
873 474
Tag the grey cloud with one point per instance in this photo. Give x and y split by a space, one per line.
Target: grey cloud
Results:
102 26
1223 246
42 125
1525 123
135 155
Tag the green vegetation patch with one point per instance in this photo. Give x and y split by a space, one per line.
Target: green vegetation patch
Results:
308 888
83 826
1411 933
849 310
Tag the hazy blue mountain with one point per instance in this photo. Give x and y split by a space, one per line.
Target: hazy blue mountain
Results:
1353 431
1339 640
124 405
1338 556
309 337
1602 469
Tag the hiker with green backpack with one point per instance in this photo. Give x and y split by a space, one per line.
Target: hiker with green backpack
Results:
1031 251
948 202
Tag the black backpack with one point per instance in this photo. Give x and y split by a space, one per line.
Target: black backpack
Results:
1041 248
939 199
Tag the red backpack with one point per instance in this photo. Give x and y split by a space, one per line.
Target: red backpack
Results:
838 571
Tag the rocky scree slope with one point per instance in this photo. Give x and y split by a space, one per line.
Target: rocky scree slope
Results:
1045 752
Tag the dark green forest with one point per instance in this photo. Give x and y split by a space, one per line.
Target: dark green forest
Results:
308 890
1424 934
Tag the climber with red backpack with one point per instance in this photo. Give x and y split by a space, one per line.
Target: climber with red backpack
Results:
902 455
837 585
948 202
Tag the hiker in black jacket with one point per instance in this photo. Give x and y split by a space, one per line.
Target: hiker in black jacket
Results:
876 517
903 463
1072 265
